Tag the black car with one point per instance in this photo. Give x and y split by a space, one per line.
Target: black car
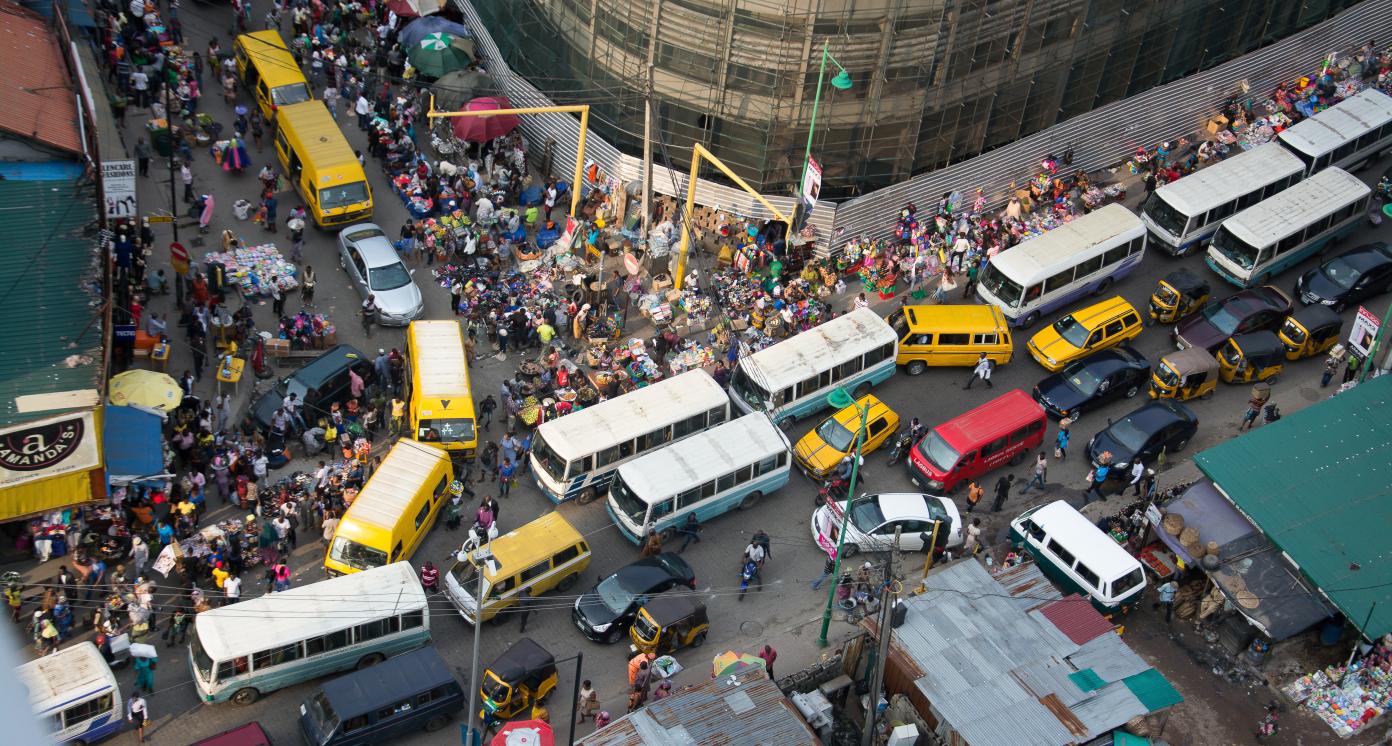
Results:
1252 310
1093 381
1163 424
1348 278
606 611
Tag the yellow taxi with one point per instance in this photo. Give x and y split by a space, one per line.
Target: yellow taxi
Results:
1083 332
824 446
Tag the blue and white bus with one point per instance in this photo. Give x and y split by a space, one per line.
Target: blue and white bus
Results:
242 651
574 456
1266 239
1181 214
710 474
76 692
791 379
1346 135
1085 255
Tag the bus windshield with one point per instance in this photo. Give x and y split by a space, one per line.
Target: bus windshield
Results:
546 459
445 431
1007 290
355 555
752 394
342 195
628 501
1165 215
941 455
201 661
293 93
1234 249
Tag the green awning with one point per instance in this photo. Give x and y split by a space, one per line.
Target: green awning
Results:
1153 690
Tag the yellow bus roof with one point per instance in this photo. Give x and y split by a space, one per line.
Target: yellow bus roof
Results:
438 367
955 318
408 467
317 138
277 66
527 545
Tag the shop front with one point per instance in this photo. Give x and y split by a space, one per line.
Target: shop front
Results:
47 465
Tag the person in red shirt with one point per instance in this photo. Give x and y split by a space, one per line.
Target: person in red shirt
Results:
769 655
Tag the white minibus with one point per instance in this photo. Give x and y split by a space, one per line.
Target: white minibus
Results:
1346 135
76 692
1079 556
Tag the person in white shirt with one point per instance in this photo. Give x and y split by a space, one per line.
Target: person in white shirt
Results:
138 713
232 589
981 370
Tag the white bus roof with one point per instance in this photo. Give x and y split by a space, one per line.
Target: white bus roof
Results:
278 619
820 348
675 468
1075 532
1220 183
1045 256
1282 214
71 674
1338 124
440 364
625 417
388 494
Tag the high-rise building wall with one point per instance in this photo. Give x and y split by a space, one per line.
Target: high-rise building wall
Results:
935 81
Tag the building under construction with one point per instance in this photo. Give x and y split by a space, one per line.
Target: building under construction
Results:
934 81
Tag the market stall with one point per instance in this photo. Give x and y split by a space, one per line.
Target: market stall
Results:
1348 698
253 269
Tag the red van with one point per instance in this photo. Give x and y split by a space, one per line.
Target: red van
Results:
998 432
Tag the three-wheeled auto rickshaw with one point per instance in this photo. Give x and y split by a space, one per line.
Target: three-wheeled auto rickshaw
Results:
669 622
1255 356
1190 373
1178 294
1310 331
516 680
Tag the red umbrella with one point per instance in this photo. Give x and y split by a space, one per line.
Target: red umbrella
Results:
483 129
403 8
525 733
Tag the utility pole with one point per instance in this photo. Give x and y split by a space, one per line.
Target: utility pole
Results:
887 595
647 158
483 560
179 280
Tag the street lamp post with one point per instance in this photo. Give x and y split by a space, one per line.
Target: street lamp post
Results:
840 399
841 82
482 559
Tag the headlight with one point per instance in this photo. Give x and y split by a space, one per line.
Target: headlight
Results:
1051 360
935 484
1123 464
1327 301
601 627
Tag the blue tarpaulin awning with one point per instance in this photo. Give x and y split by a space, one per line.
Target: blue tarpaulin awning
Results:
133 443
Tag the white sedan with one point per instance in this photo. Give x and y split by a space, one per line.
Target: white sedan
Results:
874 518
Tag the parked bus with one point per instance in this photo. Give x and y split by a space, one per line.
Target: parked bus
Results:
75 691
439 400
1346 135
322 165
1077 555
394 511
1084 255
575 456
791 379
709 474
269 71
242 651
1179 215
1268 238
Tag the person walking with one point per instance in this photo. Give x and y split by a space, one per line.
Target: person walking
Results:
1096 478
1138 471
974 494
145 673
430 577
972 544
828 567
1037 474
768 655
982 370
507 472
186 176
1249 418
485 409
1002 492
587 704
1061 440
652 544
138 713
142 156
1166 598
690 531
524 609
369 314
232 589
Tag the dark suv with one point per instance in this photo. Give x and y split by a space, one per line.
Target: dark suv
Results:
319 384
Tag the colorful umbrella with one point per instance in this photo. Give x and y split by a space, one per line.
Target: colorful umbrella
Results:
525 733
419 28
731 662
149 389
436 54
483 129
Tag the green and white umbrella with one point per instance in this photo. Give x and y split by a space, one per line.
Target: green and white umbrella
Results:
436 54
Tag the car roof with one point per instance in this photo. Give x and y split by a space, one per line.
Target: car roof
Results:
376 250
1101 312
896 505
665 565
387 682
1005 413
328 365
1156 414
1367 255
1108 360
1258 298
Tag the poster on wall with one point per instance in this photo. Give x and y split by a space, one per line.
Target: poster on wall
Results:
811 183
48 448
1365 329
118 184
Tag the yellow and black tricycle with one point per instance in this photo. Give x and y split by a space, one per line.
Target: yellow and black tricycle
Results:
1190 373
1255 356
1177 295
517 681
1310 331
669 622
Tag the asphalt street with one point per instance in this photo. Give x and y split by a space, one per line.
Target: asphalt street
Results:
785 614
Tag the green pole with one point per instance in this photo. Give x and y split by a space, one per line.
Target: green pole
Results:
845 521
812 128
1377 342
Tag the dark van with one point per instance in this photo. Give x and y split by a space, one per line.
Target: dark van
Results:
319 384
412 691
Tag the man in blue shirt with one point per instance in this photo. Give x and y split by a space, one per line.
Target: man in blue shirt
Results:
96 578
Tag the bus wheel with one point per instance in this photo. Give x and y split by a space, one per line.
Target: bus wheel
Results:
245 696
368 661
915 367
861 390
1017 458
586 496
436 723
1029 320
1103 286
751 500
567 582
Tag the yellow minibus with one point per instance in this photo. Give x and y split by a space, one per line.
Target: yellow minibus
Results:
321 164
439 401
269 72
394 511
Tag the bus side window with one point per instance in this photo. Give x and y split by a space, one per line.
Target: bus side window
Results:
984 339
1034 530
1033 292
1058 281
663 508
693 424
1065 557
395 552
766 466
441 487
715 416
423 514
945 340
708 489
1089 576
689 498
81 713
565 555
744 474
725 482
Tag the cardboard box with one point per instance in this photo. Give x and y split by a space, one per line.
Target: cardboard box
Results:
1217 123
278 347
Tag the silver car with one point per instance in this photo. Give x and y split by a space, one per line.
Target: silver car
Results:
373 266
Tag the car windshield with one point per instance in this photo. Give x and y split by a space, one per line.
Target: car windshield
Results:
1007 290
495 689
544 457
1165 215
323 713
748 391
835 435
1083 378
445 431
1167 374
1221 317
342 195
295 93
1072 332
1130 437
388 276
1341 272
866 515
900 321
628 501
201 661
615 596
1234 249
355 555
941 455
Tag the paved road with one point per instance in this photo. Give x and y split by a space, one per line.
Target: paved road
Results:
785 614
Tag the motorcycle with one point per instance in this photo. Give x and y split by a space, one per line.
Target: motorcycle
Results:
900 450
746 577
833 488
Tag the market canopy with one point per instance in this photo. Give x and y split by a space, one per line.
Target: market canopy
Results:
1317 484
483 129
438 53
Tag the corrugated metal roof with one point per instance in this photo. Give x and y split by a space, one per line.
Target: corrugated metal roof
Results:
45 291
1337 537
1153 690
36 97
1075 617
998 673
1027 583
745 708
